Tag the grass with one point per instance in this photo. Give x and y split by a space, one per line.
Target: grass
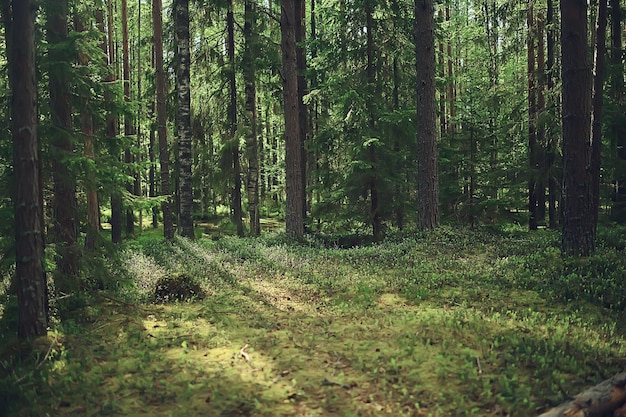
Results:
452 322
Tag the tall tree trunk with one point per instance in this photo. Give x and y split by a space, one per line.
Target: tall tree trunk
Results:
532 120
375 219
185 216
87 128
540 188
235 201
64 188
618 132
597 97
152 190
294 219
113 126
249 75
578 237
138 139
553 182
427 177
128 118
164 154
451 88
301 63
29 244
442 74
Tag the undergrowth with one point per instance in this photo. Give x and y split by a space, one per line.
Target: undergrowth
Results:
485 322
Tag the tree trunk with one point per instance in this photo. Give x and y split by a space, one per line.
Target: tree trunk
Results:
597 97
427 177
553 182
249 75
235 202
87 128
128 118
152 186
375 219
300 28
112 127
579 230
540 188
164 154
451 89
532 121
442 74
618 132
139 156
29 245
600 400
64 188
185 216
294 220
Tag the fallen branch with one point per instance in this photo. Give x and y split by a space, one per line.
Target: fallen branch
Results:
244 354
601 400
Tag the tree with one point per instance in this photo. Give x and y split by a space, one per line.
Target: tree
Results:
373 183
578 238
29 244
551 145
164 155
301 63
65 228
294 219
427 177
185 215
112 123
235 200
533 146
596 101
616 126
87 130
252 152
128 117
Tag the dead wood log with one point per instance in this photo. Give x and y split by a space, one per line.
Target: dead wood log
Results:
602 400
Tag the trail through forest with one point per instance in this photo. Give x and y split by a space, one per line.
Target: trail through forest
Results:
438 327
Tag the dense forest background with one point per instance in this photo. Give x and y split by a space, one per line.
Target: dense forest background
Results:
297 164
355 117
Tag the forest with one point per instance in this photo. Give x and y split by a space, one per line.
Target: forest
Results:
312 208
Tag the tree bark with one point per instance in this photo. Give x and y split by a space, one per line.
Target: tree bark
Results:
29 245
553 182
600 400
618 132
300 28
185 215
532 120
164 154
65 204
294 220
597 97
235 201
375 218
540 188
252 152
113 126
427 179
579 232
87 128
128 118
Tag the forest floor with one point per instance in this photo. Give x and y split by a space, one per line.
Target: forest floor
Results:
448 323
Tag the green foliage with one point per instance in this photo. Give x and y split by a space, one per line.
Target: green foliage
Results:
437 322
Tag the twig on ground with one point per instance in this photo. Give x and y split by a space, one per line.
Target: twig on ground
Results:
244 354
480 369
